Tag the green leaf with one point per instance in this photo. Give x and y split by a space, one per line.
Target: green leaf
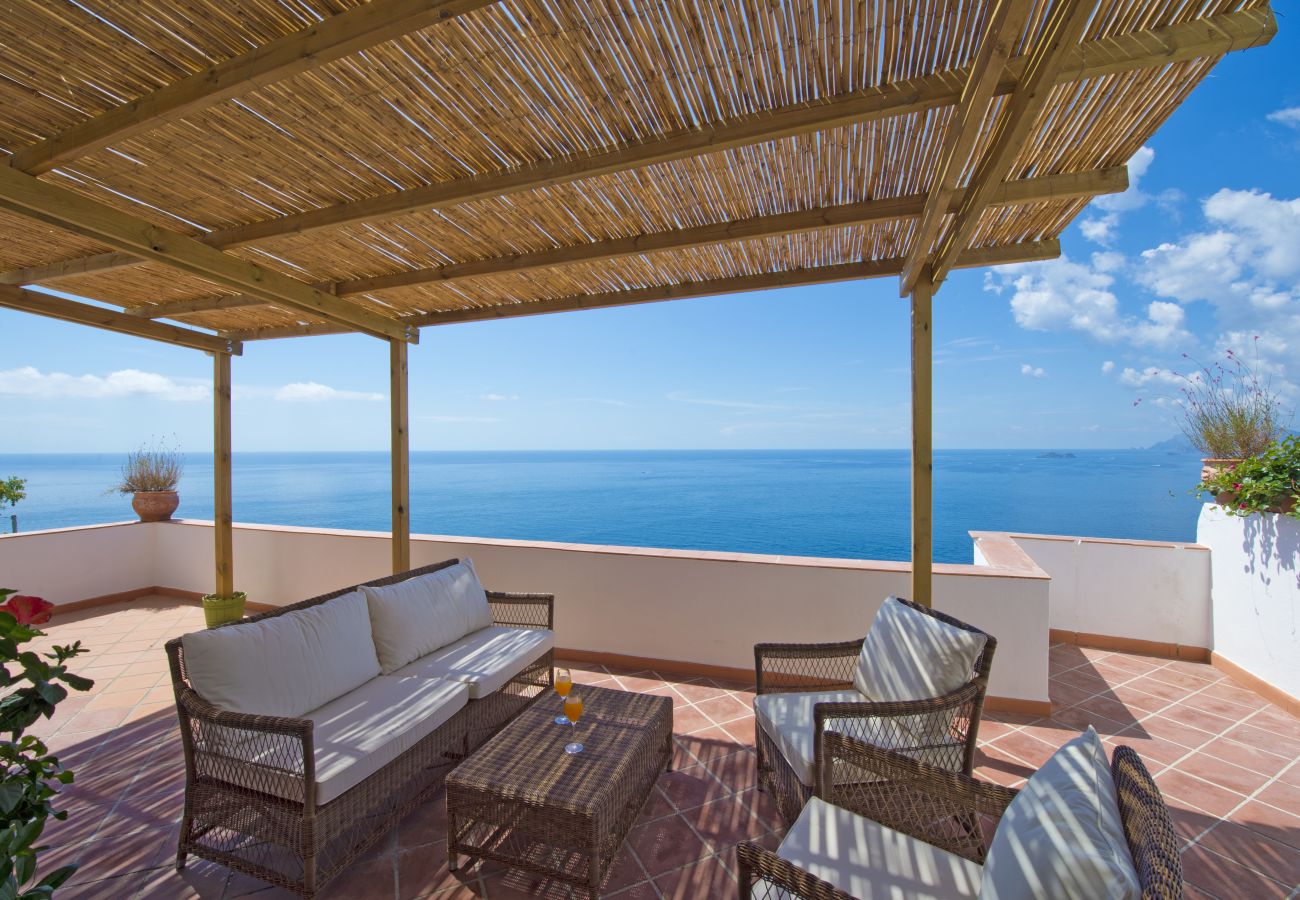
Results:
11 794
57 877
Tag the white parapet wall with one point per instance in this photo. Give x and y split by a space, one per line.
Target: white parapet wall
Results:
66 565
1146 592
1256 567
693 607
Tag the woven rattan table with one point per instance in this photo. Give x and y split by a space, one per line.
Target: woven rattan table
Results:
520 800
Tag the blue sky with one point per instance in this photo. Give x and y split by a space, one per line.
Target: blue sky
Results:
1201 255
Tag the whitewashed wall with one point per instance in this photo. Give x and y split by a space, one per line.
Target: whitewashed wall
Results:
1145 590
64 565
706 608
1256 568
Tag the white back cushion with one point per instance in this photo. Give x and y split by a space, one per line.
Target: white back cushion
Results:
417 616
1062 835
285 665
911 656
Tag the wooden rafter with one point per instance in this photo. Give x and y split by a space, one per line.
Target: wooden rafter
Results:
1005 23
1052 50
1032 190
338 36
111 320
28 196
1156 47
994 256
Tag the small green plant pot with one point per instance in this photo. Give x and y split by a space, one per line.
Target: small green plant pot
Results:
220 610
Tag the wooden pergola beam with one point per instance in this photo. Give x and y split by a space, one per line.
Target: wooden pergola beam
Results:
1031 190
922 358
994 256
376 22
111 320
400 461
28 196
1163 46
1004 25
1052 51
223 519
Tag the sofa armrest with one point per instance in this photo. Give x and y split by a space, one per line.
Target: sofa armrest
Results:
522 610
270 754
787 668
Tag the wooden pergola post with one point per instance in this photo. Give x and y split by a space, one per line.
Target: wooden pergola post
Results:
401 455
222 516
922 442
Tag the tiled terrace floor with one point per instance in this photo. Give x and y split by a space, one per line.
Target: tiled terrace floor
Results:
1229 765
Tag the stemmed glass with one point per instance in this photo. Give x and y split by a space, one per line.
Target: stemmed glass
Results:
572 712
563 684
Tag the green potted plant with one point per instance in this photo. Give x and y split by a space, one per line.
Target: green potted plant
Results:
1229 412
30 777
11 491
1266 482
150 476
218 609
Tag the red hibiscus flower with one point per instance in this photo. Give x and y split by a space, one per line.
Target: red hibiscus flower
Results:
28 610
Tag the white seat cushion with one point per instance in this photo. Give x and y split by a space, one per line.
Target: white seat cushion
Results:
872 862
911 656
284 665
788 720
1062 836
414 617
486 659
360 733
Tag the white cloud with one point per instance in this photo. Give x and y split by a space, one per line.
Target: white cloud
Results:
1134 378
1063 295
313 392
31 382
461 420
1289 116
1031 371
1107 367
1100 229
738 405
497 398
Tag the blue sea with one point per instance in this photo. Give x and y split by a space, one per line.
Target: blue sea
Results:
833 503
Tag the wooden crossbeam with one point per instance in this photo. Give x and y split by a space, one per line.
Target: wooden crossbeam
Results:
338 36
28 196
1004 25
1059 37
111 320
1209 37
1034 251
1030 190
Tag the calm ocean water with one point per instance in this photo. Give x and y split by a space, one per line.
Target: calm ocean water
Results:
837 503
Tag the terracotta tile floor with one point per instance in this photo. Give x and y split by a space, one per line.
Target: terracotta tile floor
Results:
1226 760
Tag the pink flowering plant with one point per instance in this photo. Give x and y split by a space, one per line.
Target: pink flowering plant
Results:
1228 410
1266 482
31 685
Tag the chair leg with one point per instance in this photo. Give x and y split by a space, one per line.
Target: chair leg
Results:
187 823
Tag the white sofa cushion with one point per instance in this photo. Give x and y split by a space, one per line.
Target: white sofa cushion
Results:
911 656
866 859
788 720
360 733
1062 836
284 665
417 616
486 659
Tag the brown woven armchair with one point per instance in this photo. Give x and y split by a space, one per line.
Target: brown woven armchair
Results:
250 780
958 814
942 730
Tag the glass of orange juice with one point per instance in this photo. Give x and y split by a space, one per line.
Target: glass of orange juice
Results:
563 684
573 712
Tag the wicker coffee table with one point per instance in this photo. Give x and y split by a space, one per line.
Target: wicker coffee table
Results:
520 800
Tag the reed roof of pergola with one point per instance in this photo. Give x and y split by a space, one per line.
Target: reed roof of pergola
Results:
283 167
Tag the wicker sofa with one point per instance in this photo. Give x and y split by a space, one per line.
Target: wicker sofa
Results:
293 798
898 827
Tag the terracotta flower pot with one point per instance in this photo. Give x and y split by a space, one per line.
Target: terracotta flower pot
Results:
155 506
1212 466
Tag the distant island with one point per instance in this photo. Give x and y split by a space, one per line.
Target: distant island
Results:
1055 454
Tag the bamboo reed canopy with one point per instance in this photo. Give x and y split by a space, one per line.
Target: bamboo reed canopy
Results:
287 167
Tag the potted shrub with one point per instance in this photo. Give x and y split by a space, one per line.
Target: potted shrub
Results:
12 490
1265 482
1229 413
151 477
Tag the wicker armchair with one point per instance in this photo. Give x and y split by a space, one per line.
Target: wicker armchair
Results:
250 780
959 814
942 730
